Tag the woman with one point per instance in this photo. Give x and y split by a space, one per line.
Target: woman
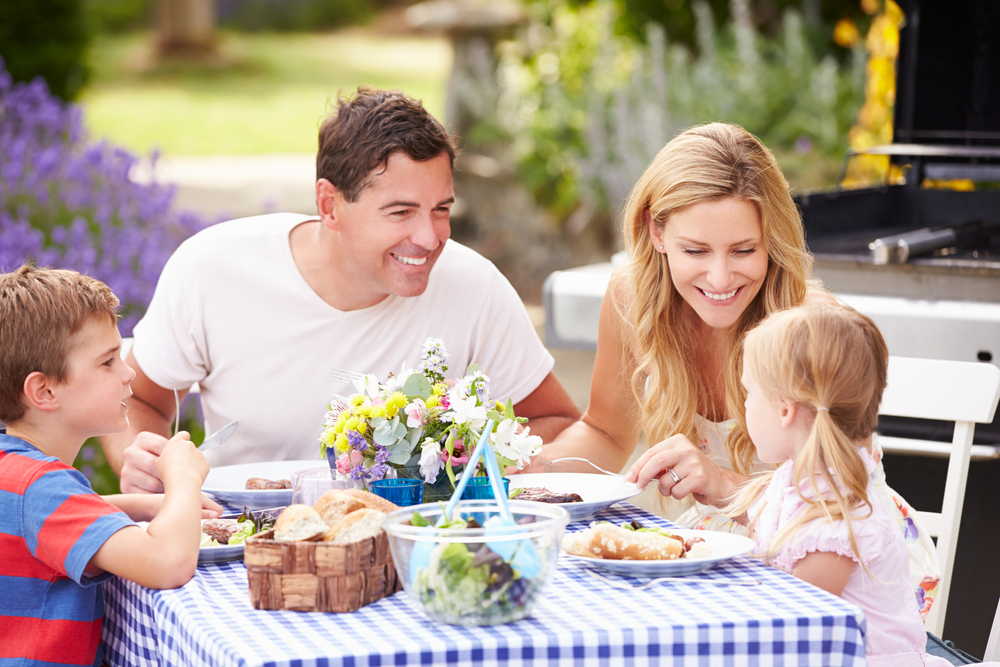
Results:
715 244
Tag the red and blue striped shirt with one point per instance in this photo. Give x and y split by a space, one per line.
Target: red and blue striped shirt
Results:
51 525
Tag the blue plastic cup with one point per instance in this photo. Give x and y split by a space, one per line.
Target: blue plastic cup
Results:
403 492
479 489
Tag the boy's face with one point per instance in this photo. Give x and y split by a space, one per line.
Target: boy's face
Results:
92 399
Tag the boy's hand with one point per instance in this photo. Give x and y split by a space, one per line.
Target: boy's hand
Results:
209 508
138 474
180 459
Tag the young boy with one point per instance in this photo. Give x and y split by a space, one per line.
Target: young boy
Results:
62 380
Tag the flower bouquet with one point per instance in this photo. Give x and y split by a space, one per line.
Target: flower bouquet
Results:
418 425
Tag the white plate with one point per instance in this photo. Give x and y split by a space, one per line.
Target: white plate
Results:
219 554
227 484
598 491
724 546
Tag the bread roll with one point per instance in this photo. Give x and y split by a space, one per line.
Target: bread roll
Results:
335 504
372 501
356 526
298 523
605 540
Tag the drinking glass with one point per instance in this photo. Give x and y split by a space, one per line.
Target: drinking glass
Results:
402 492
479 488
313 483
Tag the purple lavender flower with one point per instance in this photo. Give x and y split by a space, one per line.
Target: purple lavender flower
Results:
357 441
70 204
359 473
433 359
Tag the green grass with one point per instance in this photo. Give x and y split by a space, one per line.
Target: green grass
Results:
267 93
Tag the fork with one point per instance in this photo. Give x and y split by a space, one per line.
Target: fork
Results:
717 581
606 472
346 376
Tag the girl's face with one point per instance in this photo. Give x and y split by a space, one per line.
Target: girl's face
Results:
718 262
767 422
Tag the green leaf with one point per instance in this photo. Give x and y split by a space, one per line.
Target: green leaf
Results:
509 412
385 432
472 369
417 386
495 416
418 520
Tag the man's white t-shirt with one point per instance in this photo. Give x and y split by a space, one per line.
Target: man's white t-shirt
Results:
232 312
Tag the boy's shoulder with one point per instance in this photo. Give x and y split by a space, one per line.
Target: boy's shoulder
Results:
21 463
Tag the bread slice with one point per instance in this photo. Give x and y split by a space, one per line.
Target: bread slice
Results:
372 501
298 523
335 504
356 526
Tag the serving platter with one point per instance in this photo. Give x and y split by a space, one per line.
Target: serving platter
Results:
227 484
598 491
724 546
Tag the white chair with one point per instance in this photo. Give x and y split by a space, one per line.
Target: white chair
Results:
959 391
993 645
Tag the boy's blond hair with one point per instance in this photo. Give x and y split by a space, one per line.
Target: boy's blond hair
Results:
831 361
40 311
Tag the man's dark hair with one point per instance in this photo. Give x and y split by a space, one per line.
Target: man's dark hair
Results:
367 129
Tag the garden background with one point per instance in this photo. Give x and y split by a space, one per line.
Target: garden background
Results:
560 104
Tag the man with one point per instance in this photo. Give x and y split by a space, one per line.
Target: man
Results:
259 311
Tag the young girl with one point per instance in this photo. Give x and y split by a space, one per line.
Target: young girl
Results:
814 378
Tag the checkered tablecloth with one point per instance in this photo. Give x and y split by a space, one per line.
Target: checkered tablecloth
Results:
578 620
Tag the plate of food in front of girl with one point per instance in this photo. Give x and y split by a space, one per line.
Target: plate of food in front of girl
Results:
637 551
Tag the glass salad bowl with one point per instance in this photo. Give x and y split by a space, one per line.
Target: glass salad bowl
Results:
462 573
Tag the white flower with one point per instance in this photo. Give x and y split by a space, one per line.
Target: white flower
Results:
465 411
430 460
518 447
367 385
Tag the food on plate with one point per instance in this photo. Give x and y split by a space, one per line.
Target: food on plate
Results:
235 531
261 484
335 504
299 523
632 541
355 526
220 530
540 494
372 501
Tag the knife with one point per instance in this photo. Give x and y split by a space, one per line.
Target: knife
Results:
219 436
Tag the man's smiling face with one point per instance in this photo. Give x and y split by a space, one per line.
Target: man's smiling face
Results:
390 238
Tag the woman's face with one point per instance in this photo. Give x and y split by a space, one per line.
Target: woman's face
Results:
717 257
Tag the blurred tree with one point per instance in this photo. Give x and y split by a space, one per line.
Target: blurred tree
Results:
46 38
185 27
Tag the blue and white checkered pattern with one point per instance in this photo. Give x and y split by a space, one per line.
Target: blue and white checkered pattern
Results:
579 620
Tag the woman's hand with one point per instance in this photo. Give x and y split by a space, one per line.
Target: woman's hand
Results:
695 473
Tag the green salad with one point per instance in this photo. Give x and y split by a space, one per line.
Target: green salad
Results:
468 580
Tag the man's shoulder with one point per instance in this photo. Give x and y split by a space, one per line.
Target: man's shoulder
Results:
251 228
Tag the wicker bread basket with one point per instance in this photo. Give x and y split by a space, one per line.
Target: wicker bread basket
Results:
318 576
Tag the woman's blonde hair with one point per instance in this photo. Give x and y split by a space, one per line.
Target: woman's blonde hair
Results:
705 163
830 361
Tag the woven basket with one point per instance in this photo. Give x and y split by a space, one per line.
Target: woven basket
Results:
318 576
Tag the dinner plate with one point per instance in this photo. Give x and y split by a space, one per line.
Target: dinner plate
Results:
724 546
227 484
598 491
219 554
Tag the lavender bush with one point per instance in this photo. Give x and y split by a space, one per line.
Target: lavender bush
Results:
68 203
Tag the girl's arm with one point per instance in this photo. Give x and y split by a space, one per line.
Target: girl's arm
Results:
609 429
827 570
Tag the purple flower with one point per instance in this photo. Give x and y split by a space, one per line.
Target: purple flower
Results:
67 203
357 441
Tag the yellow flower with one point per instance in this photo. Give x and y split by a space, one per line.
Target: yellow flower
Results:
328 437
362 427
378 411
500 407
845 33
341 443
352 423
440 389
356 400
363 411
341 420
433 401
393 404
